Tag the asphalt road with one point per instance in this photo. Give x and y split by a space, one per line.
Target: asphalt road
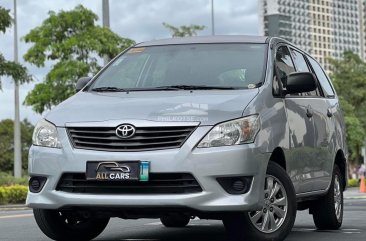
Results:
20 225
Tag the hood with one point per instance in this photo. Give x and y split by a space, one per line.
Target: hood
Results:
205 106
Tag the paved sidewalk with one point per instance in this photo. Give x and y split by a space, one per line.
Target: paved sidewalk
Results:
354 193
13 207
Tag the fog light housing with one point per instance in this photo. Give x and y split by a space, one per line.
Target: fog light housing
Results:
36 183
235 185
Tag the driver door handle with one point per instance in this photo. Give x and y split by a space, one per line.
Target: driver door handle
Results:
309 112
329 113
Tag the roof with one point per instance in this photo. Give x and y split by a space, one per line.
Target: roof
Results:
206 39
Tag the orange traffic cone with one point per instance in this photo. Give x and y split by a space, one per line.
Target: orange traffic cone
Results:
363 185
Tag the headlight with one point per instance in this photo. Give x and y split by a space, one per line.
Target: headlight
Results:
45 134
235 132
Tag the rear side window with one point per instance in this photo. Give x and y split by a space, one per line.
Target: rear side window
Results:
323 79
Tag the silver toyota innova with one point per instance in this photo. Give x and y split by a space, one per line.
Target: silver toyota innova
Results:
243 129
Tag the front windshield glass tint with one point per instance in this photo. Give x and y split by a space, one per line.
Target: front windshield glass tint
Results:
218 65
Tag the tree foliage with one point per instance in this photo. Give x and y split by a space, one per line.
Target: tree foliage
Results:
349 78
10 68
73 41
7 144
184 31
5 19
355 133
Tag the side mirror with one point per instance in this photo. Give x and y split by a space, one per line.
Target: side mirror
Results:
82 82
300 82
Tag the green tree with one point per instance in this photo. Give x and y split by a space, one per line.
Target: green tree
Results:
10 68
355 132
73 41
7 144
349 78
184 31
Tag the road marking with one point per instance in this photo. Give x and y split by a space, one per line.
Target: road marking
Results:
17 216
304 229
154 224
139 239
346 231
199 224
191 224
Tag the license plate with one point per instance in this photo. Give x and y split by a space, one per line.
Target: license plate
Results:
117 170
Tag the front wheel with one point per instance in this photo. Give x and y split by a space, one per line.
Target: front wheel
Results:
277 216
68 225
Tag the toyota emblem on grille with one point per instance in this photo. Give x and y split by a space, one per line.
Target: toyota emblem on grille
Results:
125 131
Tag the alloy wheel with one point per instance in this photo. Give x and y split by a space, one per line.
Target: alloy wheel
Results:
273 213
337 198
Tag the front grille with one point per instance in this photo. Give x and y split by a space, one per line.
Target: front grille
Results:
145 138
159 183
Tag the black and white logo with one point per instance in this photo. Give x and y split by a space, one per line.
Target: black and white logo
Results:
125 131
113 166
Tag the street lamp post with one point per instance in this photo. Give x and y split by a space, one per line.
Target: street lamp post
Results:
212 18
105 13
17 134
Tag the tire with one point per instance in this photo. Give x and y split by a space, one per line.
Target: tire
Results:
328 210
175 221
249 225
66 225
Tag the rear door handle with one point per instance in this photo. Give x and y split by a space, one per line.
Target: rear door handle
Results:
309 112
329 113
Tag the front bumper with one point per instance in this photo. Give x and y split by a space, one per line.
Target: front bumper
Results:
205 164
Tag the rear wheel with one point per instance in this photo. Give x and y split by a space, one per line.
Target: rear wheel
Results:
328 211
277 216
175 221
68 225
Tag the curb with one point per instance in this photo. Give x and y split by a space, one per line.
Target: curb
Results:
13 207
356 197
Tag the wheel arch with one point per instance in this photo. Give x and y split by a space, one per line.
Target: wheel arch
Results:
278 156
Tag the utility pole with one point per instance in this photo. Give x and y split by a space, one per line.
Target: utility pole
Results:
364 153
17 134
105 10
212 18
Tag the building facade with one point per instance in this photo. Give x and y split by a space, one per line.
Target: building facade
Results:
323 28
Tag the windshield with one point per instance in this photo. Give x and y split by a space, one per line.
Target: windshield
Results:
221 66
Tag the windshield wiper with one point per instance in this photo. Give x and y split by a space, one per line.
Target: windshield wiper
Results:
109 89
194 87
167 87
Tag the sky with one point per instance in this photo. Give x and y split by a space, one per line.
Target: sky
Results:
140 20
